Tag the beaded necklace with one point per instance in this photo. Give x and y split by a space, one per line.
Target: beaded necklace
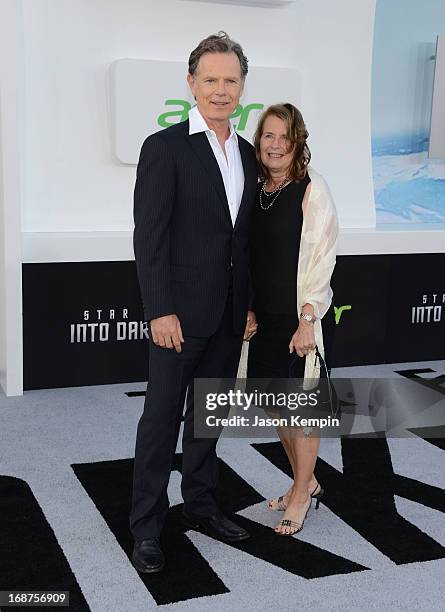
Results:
276 191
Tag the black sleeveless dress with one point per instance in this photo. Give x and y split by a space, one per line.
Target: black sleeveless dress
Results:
275 247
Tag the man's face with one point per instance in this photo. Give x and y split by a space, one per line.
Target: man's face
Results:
217 85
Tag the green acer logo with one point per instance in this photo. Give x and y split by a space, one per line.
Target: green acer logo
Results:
182 112
339 311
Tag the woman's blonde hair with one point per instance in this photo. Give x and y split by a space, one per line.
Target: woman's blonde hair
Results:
297 135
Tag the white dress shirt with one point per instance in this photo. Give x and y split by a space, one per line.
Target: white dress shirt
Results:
231 167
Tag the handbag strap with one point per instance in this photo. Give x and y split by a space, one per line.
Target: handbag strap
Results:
321 360
319 356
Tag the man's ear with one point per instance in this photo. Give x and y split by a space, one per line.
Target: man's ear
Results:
191 82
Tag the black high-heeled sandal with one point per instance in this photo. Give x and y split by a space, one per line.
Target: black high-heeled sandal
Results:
278 503
293 525
318 495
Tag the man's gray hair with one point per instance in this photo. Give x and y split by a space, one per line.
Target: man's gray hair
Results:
218 43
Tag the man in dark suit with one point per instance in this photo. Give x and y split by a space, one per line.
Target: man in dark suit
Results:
195 190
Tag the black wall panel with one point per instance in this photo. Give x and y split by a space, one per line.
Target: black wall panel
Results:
83 322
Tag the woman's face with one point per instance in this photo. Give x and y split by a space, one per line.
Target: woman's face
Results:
274 146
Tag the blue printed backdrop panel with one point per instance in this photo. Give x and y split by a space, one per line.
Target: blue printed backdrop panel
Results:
409 187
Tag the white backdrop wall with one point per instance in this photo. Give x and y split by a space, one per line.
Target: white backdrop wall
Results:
11 183
63 197
73 183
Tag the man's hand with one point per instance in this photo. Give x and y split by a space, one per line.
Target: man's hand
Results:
166 332
303 339
251 325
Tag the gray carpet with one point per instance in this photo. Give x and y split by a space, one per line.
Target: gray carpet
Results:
44 432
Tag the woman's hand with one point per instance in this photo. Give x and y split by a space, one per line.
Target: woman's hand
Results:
251 325
303 340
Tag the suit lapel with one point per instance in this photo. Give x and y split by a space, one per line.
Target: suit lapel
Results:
250 175
201 146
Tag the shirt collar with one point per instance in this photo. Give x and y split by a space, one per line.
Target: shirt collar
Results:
197 124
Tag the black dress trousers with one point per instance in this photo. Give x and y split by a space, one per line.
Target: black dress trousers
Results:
171 374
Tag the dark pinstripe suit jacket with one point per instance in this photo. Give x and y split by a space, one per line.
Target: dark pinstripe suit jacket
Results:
184 241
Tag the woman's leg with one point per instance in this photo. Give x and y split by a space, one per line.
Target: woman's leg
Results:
304 451
269 359
291 434
283 435
286 435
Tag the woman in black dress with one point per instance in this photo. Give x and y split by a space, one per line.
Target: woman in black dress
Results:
280 251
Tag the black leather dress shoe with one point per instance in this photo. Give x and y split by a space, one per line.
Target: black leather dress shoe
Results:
217 526
147 556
